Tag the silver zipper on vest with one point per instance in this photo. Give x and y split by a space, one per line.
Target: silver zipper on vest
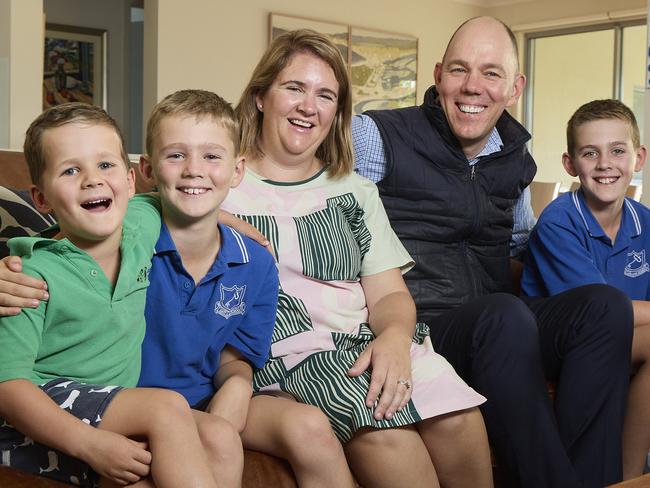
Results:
472 171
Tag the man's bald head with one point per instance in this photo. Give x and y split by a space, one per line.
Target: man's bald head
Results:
482 21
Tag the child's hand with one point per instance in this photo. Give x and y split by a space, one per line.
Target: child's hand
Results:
117 458
18 290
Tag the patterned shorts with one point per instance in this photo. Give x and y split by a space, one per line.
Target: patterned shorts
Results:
86 402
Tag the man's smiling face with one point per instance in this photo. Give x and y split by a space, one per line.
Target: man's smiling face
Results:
477 80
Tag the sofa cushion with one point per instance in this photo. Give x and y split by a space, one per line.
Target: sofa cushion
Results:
18 217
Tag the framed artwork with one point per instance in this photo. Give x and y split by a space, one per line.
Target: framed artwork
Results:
338 33
382 65
74 66
383 70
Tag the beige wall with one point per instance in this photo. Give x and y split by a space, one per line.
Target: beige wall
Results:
25 47
228 37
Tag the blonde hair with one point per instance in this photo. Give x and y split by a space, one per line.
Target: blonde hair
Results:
336 149
599 110
198 103
57 116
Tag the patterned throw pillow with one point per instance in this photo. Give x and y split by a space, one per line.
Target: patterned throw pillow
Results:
18 217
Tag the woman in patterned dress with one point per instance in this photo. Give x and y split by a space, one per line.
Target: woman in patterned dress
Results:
346 338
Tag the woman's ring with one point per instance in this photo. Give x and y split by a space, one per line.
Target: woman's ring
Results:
406 383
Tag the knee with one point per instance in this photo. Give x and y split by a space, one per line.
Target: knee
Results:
167 405
458 425
310 427
221 442
506 323
604 311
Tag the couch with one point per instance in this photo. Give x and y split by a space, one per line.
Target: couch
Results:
17 217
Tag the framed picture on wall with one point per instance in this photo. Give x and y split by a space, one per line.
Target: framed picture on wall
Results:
338 33
383 69
382 65
74 65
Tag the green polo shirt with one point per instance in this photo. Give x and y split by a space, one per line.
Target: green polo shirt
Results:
88 330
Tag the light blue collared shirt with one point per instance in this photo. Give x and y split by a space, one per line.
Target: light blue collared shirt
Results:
370 161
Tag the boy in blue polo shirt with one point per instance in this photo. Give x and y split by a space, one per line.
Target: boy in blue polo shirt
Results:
212 300
597 235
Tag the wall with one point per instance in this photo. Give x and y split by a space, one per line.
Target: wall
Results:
113 16
22 40
5 36
228 37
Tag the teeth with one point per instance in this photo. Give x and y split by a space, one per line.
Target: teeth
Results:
471 109
193 191
301 123
606 181
96 202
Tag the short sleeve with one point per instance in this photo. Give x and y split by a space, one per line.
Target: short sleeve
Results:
253 336
143 215
20 338
557 260
386 251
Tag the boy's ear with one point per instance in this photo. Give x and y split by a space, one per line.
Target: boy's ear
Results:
130 176
641 156
146 168
40 202
238 174
567 162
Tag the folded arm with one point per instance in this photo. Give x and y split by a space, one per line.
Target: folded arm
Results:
233 381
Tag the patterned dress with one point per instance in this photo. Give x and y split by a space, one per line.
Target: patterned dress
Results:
327 233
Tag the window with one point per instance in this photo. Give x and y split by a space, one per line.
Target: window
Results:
568 68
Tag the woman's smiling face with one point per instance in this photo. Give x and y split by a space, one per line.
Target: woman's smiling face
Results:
299 108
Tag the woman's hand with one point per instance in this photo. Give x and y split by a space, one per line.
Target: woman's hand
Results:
245 228
389 357
391 317
17 290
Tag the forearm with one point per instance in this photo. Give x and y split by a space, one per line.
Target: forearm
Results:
32 412
234 389
641 312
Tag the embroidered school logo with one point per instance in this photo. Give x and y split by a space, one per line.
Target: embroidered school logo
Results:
143 274
231 301
636 264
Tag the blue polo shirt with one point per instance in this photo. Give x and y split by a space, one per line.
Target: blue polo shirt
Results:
188 325
568 248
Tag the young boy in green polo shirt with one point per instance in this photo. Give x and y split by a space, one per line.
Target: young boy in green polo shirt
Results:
58 416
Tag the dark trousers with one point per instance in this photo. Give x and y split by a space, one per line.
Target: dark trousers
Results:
507 347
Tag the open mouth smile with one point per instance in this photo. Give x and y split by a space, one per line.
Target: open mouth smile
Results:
97 204
301 123
607 180
470 109
193 191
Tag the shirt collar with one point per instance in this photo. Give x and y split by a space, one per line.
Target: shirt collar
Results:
494 144
233 248
630 221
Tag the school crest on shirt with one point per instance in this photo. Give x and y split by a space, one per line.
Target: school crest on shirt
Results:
231 301
636 264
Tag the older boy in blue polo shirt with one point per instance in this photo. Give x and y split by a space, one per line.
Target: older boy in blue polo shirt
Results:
597 235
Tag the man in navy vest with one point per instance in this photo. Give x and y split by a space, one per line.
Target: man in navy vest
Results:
453 176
